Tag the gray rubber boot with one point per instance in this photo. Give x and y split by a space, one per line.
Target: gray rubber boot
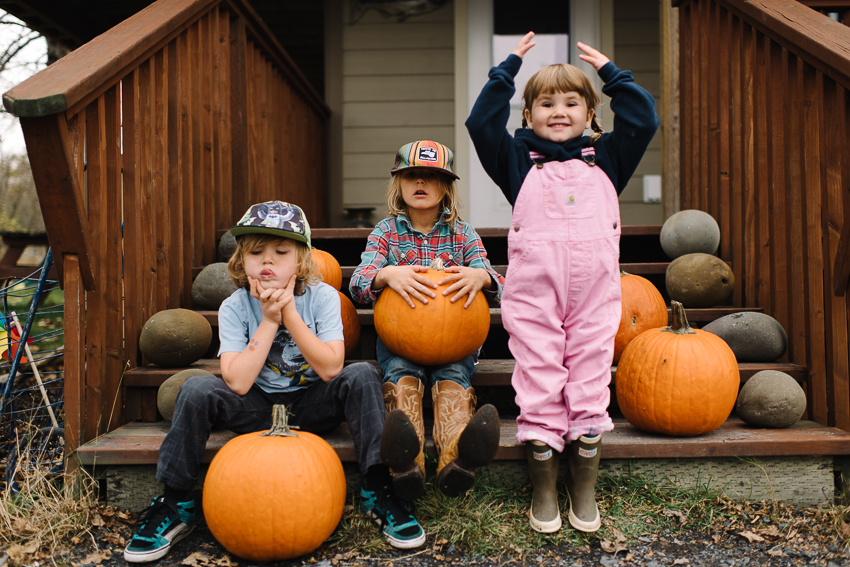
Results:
545 514
584 454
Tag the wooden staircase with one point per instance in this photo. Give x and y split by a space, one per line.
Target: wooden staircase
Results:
137 442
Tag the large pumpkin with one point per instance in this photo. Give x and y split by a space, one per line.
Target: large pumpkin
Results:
328 267
643 309
350 323
677 380
439 332
274 495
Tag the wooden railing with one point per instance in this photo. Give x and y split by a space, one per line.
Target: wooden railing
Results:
146 144
765 120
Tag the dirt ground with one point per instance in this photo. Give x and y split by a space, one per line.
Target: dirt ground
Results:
758 545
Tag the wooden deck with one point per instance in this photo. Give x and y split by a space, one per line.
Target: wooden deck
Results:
138 443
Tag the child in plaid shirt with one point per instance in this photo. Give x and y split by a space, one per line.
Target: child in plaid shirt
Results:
424 224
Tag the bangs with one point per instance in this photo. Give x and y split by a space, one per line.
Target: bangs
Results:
561 78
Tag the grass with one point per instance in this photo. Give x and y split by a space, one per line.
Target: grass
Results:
48 513
491 518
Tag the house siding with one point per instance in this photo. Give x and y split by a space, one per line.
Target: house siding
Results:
397 87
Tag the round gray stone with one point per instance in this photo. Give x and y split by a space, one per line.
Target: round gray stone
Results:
699 280
753 337
175 337
771 399
166 396
690 232
212 286
226 246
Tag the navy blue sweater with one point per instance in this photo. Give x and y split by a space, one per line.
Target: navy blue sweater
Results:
506 160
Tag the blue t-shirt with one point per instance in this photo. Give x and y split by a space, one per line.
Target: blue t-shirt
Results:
285 369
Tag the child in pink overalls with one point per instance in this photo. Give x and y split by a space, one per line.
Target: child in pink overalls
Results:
561 302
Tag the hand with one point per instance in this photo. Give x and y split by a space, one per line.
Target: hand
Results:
592 56
407 281
272 300
524 45
466 280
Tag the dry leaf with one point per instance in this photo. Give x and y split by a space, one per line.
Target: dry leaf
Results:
21 525
611 547
775 552
771 531
751 537
97 520
681 561
197 559
441 541
93 558
845 529
683 518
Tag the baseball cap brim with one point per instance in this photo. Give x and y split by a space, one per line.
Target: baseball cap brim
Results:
425 168
240 230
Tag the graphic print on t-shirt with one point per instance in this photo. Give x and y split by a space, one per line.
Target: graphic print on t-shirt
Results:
286 359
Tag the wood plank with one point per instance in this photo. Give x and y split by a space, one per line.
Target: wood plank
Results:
96 191
204 224
813 185
112 399
60 192
724 197
133 244
736 167
192 234
490 372
778 110
148 220
224 217
75 370
835 181
796 329
138 443
714 104
762 190
239 183
686 33
749 68
174 167
159 176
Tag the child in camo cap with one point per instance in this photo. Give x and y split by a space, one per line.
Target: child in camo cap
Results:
281 343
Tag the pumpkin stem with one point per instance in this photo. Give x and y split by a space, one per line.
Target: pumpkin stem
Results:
679 326
280 426
623 273
437 264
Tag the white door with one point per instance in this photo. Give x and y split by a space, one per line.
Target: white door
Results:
487 206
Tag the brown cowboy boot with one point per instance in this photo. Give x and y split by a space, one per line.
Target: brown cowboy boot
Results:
545 514
464 441
584 454
403 438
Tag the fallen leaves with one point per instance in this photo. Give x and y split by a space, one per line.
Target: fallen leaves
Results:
199 559
750 536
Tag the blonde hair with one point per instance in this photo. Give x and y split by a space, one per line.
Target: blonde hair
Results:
563 78
306 271
450 200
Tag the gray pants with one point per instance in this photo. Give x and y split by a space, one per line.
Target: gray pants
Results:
205 402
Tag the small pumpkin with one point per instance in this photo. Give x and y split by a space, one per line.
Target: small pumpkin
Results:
328 267
274 495
643 309
439 332
350 323
677 380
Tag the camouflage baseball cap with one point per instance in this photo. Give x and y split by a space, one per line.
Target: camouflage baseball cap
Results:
277 218
424 154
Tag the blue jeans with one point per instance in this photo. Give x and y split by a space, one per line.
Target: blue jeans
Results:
395 367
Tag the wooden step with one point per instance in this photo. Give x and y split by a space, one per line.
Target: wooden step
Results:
703 315
490 372
138 443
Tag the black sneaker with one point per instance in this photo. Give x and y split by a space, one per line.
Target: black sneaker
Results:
391 514
163 524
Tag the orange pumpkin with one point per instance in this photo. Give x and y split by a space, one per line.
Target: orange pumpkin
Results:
643 309
439 332
274 495
350 324
328 267
677 380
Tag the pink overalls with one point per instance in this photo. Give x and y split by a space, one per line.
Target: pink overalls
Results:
561 302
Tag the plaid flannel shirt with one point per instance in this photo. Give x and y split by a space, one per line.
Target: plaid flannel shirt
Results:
394 242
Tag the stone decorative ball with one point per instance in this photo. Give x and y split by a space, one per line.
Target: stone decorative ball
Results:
226 246
166 396
753 337
771 399
175 337
212 286
699 280
690 232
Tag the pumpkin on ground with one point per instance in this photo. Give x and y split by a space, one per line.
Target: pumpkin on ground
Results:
328 267
274 495
677 380
643 309
350 324
439 332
